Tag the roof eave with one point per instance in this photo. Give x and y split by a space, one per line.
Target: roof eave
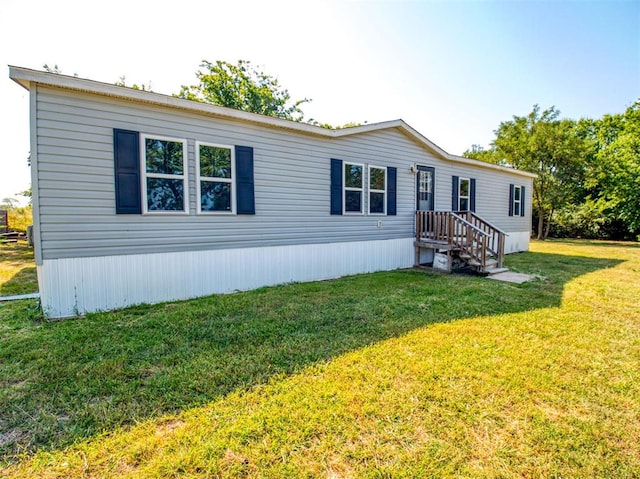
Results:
26 77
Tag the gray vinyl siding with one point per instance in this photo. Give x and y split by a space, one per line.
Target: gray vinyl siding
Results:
291 171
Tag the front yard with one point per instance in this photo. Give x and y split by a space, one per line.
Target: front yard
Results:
398 374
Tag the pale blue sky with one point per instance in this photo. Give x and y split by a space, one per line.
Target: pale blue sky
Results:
452 70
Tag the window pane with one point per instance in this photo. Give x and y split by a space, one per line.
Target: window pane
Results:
516 209
376 182
464 204
165 195
352 175
163 156
376 202
516 193
353 201
426 182
215 196
464 188
215 162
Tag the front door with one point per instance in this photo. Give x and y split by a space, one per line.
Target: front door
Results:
426 178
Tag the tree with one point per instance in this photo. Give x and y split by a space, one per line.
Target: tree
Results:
54 69
122 81
542 144
8 203
28 193
243 87
614 176
477 152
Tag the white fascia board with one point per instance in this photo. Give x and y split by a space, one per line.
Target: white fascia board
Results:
491 166
26 76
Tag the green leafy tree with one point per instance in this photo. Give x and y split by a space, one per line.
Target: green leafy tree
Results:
614 176
243 87
477 152
329 126
543 144
588 171
548 146
122 81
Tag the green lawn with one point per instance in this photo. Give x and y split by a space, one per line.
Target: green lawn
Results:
17 269
399 374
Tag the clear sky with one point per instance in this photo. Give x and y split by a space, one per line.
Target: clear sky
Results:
452 70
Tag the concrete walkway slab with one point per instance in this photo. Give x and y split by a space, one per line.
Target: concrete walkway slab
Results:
511 277
20 296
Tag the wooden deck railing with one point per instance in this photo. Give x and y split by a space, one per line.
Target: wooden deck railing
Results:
464 231
496 239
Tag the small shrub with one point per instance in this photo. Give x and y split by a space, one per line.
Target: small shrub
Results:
589 220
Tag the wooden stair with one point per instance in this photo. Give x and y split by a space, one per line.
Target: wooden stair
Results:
465 239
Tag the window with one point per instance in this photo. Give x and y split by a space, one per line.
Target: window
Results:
517 197
425 200
377 190
353 188
464 194
215 177
164 173
517 200
348 192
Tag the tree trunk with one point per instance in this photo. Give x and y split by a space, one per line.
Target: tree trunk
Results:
540 223
548 227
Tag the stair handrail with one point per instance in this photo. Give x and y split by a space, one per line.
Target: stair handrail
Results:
468 224
490 225
475 244
458 218
497 249
478 241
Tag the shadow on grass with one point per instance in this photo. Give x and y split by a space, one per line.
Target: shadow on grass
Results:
23 282
64 381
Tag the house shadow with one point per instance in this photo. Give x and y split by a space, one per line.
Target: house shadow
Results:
22 282
107 370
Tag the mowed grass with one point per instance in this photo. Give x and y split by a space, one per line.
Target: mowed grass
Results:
399 374
17 269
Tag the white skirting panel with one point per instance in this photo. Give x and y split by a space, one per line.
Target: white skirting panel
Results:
73 286
517 241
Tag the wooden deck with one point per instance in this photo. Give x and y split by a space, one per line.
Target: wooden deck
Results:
461 235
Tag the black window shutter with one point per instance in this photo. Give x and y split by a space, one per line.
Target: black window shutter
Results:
522 195
245 197
511 190
455 190
392 178
126 160
472 194
336 187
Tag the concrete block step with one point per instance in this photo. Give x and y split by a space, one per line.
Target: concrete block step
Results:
491 271
474 262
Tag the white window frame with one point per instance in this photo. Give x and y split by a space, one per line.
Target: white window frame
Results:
144 175
371 190
346 188
214 179
468 196
517 211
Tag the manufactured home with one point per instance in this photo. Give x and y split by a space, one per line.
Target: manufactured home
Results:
140 197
